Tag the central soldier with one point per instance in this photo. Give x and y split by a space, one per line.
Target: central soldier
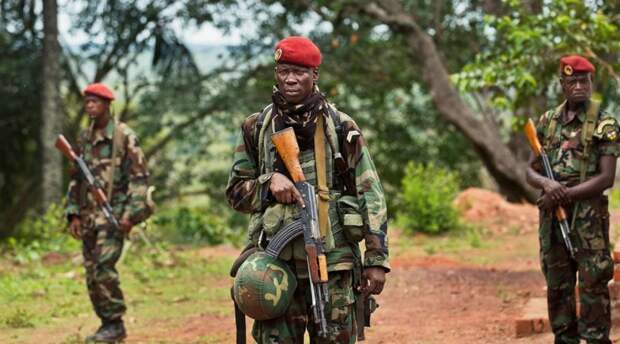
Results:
350 205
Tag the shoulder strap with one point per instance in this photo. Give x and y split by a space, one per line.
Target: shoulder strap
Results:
587 132
118 139
259 133
553 123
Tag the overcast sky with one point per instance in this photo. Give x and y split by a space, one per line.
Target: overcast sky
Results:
206 34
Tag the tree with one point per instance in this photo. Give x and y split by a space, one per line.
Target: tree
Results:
52 116
484 64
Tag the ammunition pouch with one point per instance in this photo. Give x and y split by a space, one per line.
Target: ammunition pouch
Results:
351 218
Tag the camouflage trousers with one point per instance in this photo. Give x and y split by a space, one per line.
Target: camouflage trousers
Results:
290 328
594 266
102 247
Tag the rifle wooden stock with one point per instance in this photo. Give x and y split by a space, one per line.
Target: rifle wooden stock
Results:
313 267
99 195
532 138
560 214
322 268
286 145
63 145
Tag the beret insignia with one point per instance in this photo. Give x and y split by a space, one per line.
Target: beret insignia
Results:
568 70
277 54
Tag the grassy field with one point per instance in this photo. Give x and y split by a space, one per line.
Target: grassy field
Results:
46 301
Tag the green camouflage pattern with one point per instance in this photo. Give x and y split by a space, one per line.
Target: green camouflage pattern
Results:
248 191
290 328
102 247
590 234
102 244
264 287
129 194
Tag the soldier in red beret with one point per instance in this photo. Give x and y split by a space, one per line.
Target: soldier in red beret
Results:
350 194
582 144
112 153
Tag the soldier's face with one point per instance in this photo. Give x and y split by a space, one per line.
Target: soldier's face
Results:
577 87
95 107
295 82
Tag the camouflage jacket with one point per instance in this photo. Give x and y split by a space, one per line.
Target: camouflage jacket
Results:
564 146
565 151
248 186
130 176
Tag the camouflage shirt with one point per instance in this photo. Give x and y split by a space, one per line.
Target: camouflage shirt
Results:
565 151
564 146
248 186
130 176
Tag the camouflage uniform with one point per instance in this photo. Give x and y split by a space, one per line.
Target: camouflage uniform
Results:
590 234
248 191
102 244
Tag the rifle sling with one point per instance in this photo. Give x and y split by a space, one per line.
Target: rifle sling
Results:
321 176
115 146
587 132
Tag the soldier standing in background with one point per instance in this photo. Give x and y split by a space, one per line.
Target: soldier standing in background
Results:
111 151
582 145
347 185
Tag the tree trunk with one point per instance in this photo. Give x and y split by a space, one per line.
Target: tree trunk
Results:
504 167
51 185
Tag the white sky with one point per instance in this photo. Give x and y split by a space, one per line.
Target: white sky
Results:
207 34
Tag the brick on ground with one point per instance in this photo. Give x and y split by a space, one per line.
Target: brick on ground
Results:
534 320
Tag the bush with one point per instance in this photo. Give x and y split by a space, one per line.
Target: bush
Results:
38 234
426 197
194 225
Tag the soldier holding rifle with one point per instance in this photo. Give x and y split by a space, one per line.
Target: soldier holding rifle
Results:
107 196
313 195
581 144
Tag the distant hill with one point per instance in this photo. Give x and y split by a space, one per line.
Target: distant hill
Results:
207 57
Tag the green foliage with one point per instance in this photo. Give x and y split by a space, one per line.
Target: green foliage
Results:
519 68
195 225
38 234
426 199
614 198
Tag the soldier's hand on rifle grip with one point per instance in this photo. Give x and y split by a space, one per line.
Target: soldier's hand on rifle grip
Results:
284 191
75 228
126 226
373 280
555 194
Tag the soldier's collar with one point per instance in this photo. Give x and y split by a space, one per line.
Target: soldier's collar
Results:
101 134
581 115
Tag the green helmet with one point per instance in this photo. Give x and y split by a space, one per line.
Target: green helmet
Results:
264 287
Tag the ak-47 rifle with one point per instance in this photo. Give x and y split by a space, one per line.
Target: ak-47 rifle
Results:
63 145
560 214
286 145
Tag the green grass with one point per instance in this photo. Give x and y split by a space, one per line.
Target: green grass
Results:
41 298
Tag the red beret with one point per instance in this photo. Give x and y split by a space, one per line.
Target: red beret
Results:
575 64
99 90
298 50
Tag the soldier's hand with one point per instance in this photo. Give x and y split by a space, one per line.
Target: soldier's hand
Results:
555 194
75 228
284 190
126 226
373 280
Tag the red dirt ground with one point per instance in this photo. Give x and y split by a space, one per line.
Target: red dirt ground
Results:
436 299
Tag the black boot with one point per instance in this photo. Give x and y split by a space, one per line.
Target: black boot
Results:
109 332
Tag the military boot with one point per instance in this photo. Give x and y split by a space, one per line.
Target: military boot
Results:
109 332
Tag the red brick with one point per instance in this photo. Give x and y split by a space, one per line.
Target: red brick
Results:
534 319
